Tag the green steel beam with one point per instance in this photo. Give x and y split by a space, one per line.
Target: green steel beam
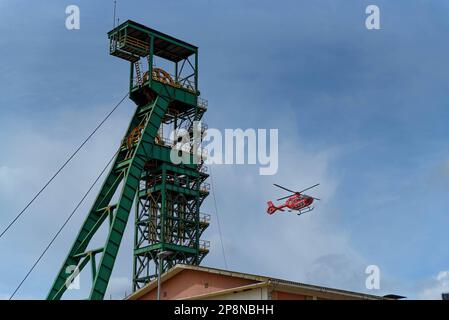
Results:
170 187
174 216
93 221
166 246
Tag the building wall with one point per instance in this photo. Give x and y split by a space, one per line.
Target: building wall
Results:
279 295
190 283
252 294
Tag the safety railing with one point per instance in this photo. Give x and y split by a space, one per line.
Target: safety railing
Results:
129 44
202 103
134 42
204 217
205 187
204 244
164 141
160 75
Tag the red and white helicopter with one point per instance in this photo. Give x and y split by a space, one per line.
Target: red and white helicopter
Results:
298 201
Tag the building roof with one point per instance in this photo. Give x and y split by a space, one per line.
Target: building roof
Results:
261 281
165 46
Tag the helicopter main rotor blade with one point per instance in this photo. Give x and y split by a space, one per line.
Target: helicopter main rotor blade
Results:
311 197
284 188
308 188
283 198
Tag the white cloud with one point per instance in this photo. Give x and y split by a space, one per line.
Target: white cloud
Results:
434 287
313 248
8 178
23 171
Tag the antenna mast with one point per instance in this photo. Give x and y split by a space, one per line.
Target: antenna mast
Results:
115 8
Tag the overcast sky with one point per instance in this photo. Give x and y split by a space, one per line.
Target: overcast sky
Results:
363 112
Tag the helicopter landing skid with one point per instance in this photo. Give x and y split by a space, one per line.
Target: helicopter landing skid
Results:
301 212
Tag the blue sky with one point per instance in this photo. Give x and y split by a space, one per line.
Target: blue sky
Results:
362 112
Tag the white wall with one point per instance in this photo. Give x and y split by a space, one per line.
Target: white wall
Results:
253 294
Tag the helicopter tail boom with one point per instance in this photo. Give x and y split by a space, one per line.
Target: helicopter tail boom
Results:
272 208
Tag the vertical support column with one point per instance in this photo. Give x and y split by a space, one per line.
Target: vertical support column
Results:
197 221
136 235
196 71
176 72
163 206
150 61
131 78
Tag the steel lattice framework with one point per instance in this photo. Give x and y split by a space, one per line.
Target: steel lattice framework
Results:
167 196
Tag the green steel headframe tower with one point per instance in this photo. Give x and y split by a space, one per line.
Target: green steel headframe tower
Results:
167 196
